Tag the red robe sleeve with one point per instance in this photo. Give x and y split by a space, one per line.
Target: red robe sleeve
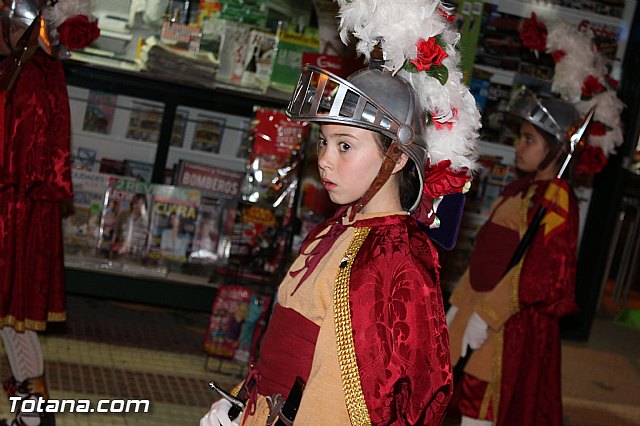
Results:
400 333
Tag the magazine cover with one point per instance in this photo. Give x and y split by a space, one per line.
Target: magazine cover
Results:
101 107
252 328
258 60
124 225
112 166
220 190
144 122
237 319
81 229
174 216
179 126
138 170
85 159
208 133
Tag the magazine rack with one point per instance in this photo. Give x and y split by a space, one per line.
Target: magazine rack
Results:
146 285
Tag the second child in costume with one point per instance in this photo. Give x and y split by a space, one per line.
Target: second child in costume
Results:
511 320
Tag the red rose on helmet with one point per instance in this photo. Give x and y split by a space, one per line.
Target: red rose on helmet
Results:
591 86
429 53
77 32
440 180
533 34
557 55
591 161
597 129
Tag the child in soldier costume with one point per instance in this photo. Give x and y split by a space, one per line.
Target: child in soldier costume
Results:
510 319
359 315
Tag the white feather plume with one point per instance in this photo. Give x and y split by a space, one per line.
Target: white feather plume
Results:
581 60
64 9
399 25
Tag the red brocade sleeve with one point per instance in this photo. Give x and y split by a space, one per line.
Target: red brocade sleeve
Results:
400 334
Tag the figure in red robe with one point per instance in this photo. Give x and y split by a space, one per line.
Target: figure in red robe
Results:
510 320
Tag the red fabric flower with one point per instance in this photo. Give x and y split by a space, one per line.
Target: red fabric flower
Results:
591 161
597 128
440 180
533 34
77 32
557 55
429 53
591 86
446 15
611 81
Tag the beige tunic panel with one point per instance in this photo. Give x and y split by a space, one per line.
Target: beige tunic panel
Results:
323 402
495 306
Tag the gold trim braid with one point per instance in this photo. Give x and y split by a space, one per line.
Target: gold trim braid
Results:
351 385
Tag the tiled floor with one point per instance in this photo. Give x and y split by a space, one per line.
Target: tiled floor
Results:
110 350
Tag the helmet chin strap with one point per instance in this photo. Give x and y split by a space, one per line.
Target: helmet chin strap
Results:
391 158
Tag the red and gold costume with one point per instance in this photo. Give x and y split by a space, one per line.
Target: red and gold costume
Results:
360 318
35 181
514 377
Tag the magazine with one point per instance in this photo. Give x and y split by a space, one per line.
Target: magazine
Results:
173 221
237 319
220 189
145 121
101 108
81 229
85 159
208 133
124 225
138 170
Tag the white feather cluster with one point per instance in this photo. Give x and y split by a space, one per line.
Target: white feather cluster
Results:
582 60
64 9
399 25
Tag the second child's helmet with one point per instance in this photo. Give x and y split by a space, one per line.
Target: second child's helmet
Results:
371 99
551 115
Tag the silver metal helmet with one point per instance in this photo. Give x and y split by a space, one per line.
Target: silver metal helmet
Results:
552 115
371 99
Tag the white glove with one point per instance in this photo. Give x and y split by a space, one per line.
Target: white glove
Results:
475 334
218 415
451 314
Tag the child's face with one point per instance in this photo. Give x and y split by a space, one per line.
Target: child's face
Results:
348 161
531 149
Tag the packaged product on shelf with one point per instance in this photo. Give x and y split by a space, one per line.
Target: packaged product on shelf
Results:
275 158
237 318
124 225
81 229
258 60
258 239
219 190
101 108
174 214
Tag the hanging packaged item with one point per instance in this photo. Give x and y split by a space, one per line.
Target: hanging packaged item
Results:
238 316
